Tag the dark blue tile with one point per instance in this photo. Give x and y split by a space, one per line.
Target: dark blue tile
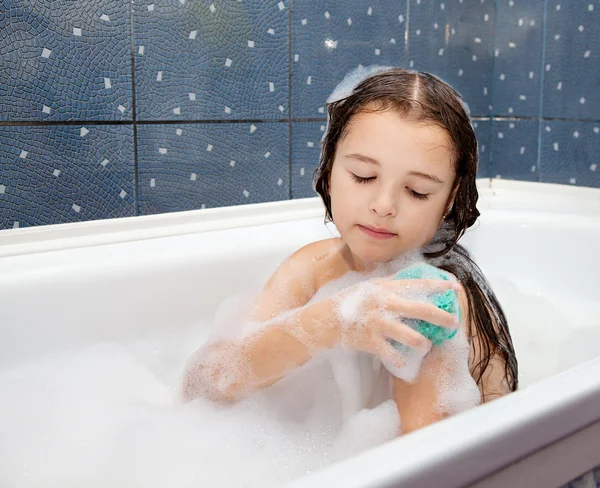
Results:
515 149
518 54
306 149
572 77
188 166
330 38
65 60
208 59
482 132
454 40
58 174
569 153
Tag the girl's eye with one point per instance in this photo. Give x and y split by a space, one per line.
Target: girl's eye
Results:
360 179
420 196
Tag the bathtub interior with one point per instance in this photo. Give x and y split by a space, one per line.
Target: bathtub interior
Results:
540 263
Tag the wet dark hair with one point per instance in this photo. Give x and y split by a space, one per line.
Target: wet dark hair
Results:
422 97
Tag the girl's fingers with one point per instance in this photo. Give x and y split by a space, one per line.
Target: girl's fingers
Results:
387 352
394 329
422 311
421 285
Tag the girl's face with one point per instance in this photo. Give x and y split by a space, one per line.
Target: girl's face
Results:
390 185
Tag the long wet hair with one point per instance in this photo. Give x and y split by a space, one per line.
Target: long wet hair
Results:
421 97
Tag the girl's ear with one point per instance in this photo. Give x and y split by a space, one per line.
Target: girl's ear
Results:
450 202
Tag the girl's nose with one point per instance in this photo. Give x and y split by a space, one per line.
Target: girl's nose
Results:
384 204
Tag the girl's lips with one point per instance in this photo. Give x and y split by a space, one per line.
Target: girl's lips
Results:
376 234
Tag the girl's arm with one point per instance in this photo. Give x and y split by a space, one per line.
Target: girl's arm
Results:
228 369
418 402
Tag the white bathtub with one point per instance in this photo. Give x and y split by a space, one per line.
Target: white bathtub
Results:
67 286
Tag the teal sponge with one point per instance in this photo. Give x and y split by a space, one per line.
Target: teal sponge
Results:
447 300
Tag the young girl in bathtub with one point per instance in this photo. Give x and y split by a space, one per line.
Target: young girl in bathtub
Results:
397 178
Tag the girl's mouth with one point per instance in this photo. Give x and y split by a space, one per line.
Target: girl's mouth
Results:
376 233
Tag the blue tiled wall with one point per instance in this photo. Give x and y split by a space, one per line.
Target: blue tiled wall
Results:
110 108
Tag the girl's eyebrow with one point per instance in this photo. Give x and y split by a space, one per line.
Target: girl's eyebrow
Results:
369 160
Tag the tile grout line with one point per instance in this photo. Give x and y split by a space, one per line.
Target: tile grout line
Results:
134 115
290 9
542 76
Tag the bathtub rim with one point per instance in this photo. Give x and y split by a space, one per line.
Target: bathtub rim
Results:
37 239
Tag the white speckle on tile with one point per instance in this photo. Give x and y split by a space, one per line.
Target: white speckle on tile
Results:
370 11
441 52
212 8
532 23
582 100
511 125
533 168
411 63
107 83
392 41
232 163
558 7
159 76
590 7
377 52
246 193
511 3
271 31
418 32
209 147
548 129
104 163
435 25
321 110
301 171
192 96
576 134
152 182
16 224
303 21
597 130
580 28
2 189
177 110
593 167
496 52
548 67
587 54
279 182
330 43
474 57
475 125
105 18
227 109
163 150
327 14
121 109
310 144
141 50
281 5
178 132
77 31
442 6
512 45
296 58
477 40
46 109
510 110
193 176
46 53
252 129
460 72
486 18
485 90
555 146
522 97
557 37
203 206
309 80
56 172
267 154
123 194
559 85
76 207
520 22
228 62
522 150
23 154
193 34
281 108
182 2
250 44
573 181
83 132
500 135
151 7
502 76
400 18
322 128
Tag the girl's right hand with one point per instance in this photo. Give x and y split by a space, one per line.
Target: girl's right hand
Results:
368 314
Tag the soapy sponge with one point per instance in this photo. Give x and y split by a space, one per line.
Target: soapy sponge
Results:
447 300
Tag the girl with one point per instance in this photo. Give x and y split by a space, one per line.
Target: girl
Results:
397 176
